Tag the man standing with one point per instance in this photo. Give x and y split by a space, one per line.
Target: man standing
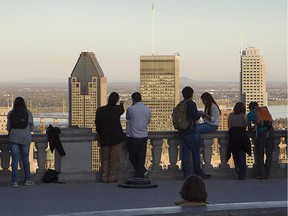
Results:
190 138
264 143
109 128
138 117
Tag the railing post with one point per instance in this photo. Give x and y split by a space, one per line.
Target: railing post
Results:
275 155
173 153
223 153
156 153
41 156
5 157
207 153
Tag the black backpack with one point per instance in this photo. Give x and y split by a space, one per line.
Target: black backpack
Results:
19 118
51 176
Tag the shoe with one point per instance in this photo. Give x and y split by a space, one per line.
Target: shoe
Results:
13 184
205 176
146 175
112 181
28 183
261 177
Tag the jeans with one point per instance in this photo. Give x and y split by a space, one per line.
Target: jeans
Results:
204 128
240 163
137 154
264 143
190 142
17 150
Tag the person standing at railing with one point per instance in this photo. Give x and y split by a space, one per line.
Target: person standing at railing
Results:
239 143
211 116
20 125
111 135
138 117
264 143
190 138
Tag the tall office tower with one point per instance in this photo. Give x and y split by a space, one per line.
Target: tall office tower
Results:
159 87
3 119
87 92
253 77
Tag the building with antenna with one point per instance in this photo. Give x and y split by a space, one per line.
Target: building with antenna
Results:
87 92
253 77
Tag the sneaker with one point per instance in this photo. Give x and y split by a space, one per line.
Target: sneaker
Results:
261 177
28 183
146 175
205 176
13 184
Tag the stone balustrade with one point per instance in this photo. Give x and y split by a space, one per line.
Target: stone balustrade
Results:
76 165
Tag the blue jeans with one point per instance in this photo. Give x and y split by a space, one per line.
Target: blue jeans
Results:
17 150
264 144
190 142
240 163
204 128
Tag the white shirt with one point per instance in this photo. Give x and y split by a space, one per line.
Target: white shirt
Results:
138 117
215 116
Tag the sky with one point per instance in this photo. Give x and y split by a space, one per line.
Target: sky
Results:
41 40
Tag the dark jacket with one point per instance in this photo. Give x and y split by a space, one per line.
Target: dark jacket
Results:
193 116
54 140
108 124
238 141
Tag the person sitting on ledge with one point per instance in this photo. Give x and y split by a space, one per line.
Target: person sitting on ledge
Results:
193 192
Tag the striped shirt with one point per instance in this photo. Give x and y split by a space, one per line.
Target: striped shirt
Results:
138 117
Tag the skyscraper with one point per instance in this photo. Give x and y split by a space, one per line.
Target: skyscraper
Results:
159 86
253 77
87 92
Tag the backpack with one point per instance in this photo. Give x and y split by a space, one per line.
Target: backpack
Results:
180 117
19 118
51 176
263 117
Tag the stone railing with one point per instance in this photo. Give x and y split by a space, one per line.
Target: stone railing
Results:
76 165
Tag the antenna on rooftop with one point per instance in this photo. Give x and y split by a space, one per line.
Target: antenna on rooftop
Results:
241 40
153 29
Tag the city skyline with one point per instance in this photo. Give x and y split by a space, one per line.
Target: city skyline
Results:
41 39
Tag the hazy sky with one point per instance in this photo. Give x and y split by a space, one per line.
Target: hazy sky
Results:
41 40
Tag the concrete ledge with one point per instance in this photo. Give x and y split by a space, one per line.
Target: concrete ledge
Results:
273 208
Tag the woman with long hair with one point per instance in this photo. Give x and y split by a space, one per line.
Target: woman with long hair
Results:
20 125
239 143
211 116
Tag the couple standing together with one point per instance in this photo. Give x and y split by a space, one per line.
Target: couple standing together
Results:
190 137
111 135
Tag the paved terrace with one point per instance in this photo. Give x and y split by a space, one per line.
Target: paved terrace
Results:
83 194
95 198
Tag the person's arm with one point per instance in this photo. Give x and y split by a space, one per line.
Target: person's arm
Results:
193 112
121 109
30 121
98 121
245 121
128 114
229 121
8 128
249 121
215 114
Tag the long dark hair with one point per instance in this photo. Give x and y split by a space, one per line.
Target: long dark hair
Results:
239 108
209 99
19 103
